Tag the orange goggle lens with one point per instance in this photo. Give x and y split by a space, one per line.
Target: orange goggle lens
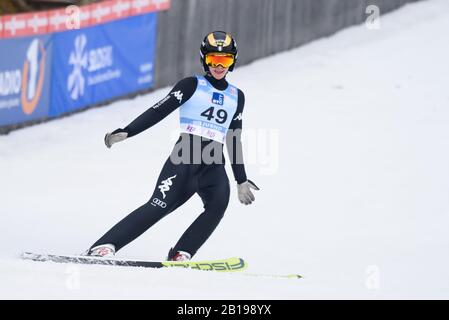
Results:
214 60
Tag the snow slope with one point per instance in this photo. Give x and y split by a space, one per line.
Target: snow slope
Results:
348 138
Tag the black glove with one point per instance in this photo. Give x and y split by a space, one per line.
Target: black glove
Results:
115 136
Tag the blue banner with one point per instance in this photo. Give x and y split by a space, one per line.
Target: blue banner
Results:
46 76
25 77
95 64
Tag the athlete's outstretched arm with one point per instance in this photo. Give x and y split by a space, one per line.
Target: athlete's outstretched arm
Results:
235 152
234 143
180 93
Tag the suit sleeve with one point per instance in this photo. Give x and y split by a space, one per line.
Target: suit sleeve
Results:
234 143
180 93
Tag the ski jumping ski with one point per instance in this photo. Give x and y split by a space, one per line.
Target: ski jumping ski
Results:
224 265
233 264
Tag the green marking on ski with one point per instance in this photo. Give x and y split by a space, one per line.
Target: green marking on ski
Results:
226 265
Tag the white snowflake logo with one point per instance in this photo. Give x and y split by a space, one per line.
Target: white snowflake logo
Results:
78 58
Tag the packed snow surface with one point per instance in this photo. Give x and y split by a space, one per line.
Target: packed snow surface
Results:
347 137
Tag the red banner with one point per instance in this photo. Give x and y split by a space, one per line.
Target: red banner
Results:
76 17
25 24
144 6
1 27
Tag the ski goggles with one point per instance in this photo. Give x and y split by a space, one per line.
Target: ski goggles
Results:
216 59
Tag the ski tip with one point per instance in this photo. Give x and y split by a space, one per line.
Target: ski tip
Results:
292 276
275 276
25 254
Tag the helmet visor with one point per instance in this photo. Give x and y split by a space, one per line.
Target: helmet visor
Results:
216 59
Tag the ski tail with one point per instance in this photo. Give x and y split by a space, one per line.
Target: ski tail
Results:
89 260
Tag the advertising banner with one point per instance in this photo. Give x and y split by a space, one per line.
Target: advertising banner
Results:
25 77
57 61
95 64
